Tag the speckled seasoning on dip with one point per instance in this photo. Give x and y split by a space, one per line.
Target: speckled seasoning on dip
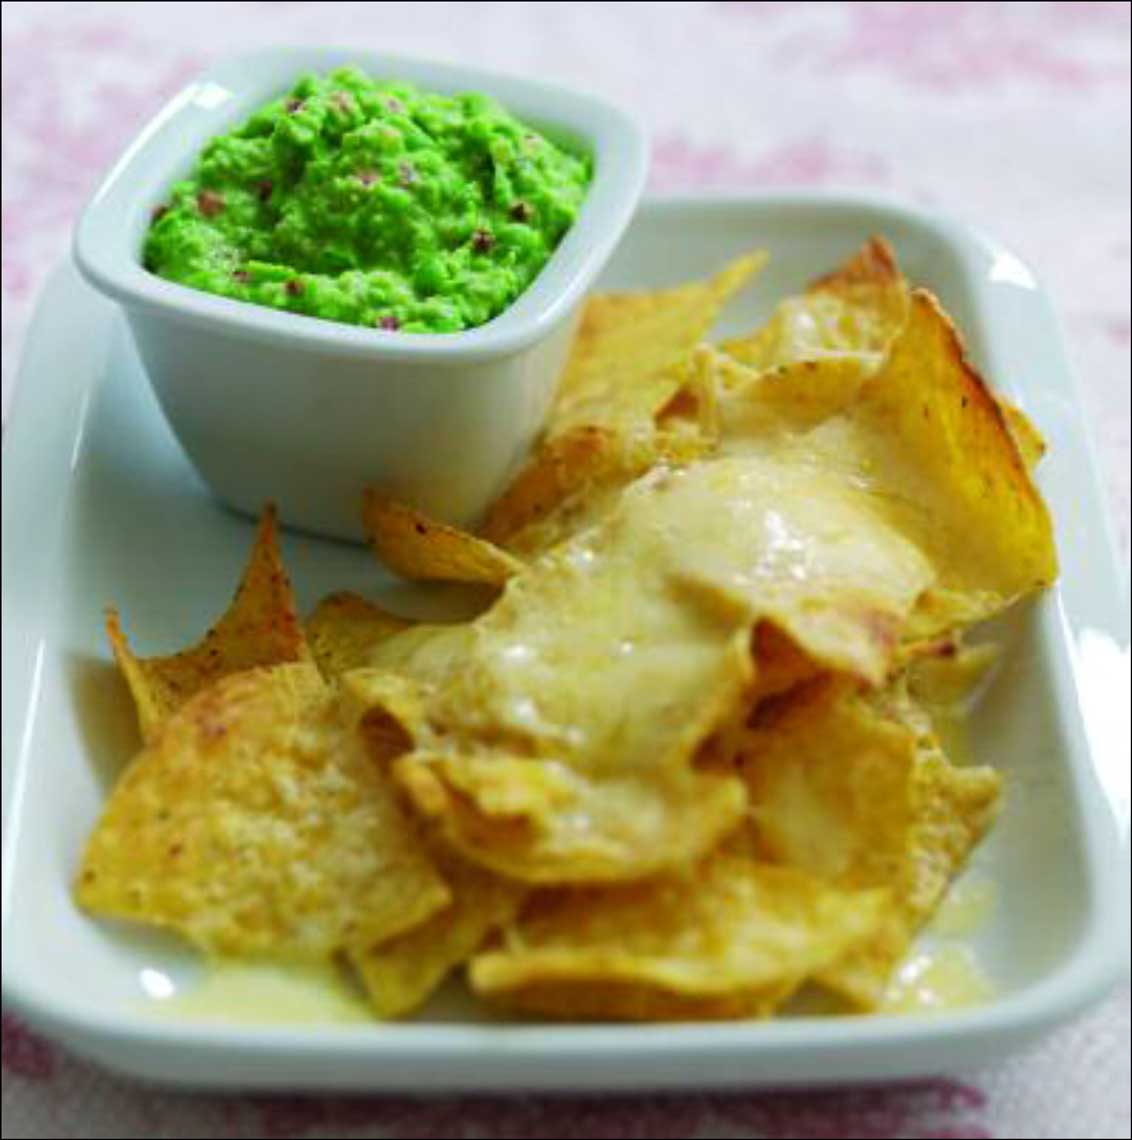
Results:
371 203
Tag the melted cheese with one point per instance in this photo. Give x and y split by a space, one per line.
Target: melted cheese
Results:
935 981
240 992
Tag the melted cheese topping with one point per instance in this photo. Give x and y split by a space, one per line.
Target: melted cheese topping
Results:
935 981
240 992
609 651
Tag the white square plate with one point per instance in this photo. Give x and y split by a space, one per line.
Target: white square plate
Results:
100 505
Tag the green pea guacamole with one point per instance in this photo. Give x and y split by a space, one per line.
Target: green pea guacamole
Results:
371 203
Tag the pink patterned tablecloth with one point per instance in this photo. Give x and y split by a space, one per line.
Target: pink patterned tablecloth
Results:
1012 116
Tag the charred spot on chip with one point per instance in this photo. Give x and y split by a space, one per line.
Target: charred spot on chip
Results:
210 203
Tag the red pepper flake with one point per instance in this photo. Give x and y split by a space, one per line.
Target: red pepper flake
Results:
407 173
367 177
389 322
263 189
210 203
294 287
158 212
292 106
243 276
522 212
483 241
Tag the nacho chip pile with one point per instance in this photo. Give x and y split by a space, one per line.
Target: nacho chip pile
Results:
684 765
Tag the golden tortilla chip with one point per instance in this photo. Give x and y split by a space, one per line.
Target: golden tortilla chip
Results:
924 438
401 973
520 816
855 790
389 696
946 678
780 665
626 367
621 369
765 411
562 466
855 310
731 938
1027 438
260 627
417 547
344 629
425 652
971 502
257 822
574 481
382 704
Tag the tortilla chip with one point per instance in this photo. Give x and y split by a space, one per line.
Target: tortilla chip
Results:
855 310
260 627
382 704
731 938
425 652
1028 439
625 369
574 481
767 410
402 973
559 468
520 816
417 547
344 629
257 822
621 369
947 678
855 790
923 436
779 664
976 509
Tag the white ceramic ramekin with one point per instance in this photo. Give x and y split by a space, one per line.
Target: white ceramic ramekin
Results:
274 405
